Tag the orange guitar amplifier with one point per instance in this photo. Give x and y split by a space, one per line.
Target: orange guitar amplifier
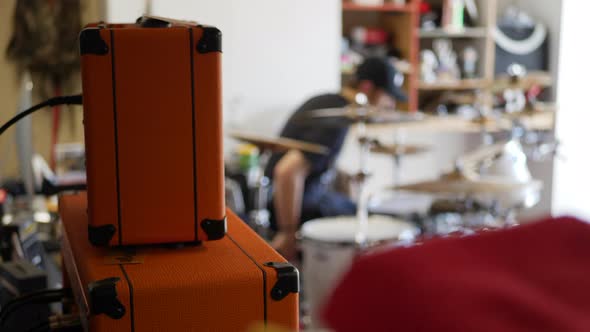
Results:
226 285
152 125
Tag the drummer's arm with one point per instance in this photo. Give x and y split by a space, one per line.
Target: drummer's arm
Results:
289 184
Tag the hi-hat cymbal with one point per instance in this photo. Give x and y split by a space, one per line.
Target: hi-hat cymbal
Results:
355 114
460 184
279 144
531 79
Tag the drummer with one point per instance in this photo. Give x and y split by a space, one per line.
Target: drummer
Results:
300 192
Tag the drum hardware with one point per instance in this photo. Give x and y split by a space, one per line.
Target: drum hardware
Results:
447 216
362 211
362 114
397 151
259 217
485 190
456 223
460 206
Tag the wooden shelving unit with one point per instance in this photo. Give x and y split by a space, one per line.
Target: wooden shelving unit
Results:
479 32
470 84
403 23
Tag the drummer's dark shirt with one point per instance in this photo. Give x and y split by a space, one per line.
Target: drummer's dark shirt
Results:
331 137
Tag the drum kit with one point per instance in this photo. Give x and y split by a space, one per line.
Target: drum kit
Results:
484 191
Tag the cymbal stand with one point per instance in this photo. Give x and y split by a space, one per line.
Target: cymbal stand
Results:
362 211
259 217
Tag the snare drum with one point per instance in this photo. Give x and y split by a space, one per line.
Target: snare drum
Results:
329 248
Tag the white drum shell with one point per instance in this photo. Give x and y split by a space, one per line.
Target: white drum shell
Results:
329 249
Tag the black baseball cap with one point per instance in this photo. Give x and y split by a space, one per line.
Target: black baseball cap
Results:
382 74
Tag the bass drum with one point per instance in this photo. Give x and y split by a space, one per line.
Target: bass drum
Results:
329 248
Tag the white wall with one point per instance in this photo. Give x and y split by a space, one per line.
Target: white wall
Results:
124 11
572 177
276 53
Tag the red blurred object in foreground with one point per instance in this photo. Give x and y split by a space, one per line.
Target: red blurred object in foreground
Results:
529 278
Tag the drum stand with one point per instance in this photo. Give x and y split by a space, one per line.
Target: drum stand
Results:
259 217
362 211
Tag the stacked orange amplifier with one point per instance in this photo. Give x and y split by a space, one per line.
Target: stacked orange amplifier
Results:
151 246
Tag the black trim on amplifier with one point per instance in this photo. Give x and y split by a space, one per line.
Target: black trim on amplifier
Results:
194 133
104 300
131 306
116 130
287 280
92 43
101 236
210 41
215 229
263 276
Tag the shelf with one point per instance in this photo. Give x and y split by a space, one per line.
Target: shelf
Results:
389 7
401 66
448 33
456 85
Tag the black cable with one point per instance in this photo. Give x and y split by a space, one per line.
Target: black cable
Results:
45 296
36 300
43 326
61 100
27 296
58 323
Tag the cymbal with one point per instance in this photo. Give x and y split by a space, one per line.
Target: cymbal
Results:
459 184
279 144
398 149
354 114
531 79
